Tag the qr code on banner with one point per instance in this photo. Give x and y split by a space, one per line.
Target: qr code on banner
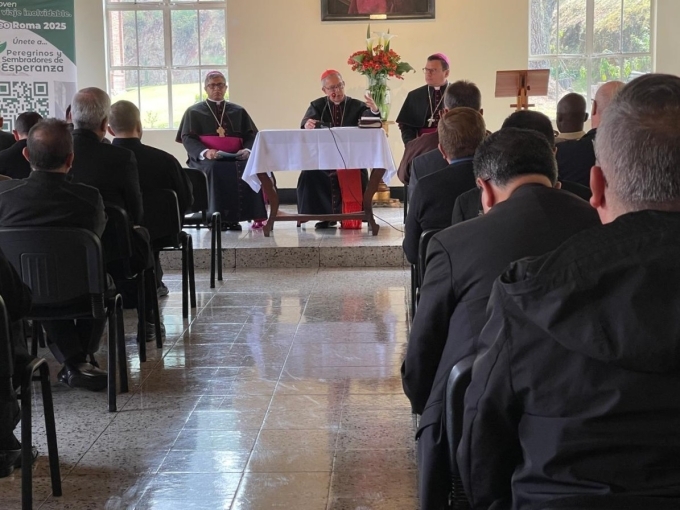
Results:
17 97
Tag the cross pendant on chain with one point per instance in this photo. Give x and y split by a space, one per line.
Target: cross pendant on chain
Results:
221 132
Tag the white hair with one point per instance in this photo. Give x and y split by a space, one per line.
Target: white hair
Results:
89 108
638 142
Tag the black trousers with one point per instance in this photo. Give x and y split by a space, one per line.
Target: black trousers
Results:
434 478
74 339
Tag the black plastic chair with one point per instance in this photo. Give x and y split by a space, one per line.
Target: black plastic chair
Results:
424 241
454 406
198 217
117 245
161 214
64 267
405 202
27 378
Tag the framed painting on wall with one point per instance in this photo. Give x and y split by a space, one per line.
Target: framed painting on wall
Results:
344 10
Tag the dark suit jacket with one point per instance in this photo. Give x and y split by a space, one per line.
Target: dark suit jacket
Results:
6 140
51 199
112 170
432 203
423 165
13 163
159 170
414 148
462 263
468 206
575 158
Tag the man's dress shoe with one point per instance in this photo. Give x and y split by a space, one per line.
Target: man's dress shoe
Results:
83 375
326 224
232 226
8 461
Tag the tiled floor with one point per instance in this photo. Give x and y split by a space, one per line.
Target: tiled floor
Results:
283 391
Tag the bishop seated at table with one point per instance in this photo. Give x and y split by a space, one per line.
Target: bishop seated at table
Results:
218 136
327 191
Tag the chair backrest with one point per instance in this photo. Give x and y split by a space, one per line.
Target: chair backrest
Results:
59 264
199 181
6 361
425 238
116 240
454 405
161 214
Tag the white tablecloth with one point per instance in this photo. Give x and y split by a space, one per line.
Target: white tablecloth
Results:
282 150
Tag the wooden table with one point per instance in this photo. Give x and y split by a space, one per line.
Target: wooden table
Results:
314 149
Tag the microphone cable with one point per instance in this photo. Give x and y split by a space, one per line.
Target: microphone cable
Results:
351 192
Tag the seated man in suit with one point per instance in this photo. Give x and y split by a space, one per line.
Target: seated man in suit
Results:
48 198
17 298
113 171
13 164
157 169
574 404
571 117
524 215
461 130
575 158
469 204
457 94
6 139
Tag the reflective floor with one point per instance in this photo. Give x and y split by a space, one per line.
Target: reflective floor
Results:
283 391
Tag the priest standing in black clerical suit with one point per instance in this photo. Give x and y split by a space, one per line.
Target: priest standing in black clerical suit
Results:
424 106
217 125
320 191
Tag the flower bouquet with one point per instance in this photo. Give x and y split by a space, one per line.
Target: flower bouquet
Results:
378 63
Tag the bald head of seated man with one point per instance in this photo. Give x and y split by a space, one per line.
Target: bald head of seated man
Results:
571 117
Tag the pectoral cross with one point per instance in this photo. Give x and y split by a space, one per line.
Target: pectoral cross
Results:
221 132
430 121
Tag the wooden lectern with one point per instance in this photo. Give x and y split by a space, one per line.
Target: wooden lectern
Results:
522 84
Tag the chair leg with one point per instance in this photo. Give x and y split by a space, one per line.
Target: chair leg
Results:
50 429
34 338
192 279
141 315
151 287
120 339
111 357
185 280
26 442
213 242
219 246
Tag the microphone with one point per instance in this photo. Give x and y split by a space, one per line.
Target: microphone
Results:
321 123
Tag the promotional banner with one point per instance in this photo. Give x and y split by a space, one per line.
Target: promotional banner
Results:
37 58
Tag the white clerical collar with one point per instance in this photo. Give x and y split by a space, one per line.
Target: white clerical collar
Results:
213 101
446 84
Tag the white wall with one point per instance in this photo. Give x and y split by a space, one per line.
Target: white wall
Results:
277 50
668 36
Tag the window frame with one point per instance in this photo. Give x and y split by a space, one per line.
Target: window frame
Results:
590 56
166 7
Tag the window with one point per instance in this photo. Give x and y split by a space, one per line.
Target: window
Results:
585 43
159 52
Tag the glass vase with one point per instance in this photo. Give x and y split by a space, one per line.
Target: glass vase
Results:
380 92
